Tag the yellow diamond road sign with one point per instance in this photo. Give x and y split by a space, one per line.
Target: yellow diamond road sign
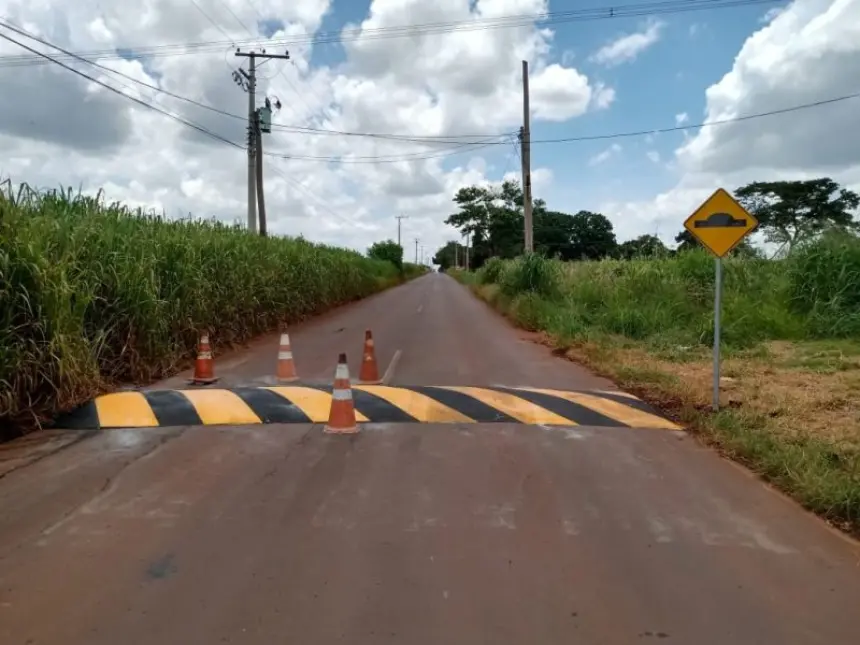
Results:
720 223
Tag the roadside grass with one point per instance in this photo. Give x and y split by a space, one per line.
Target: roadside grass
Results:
95 294
790 387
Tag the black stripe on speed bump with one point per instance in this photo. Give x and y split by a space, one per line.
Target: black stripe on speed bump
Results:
270 406
378 410
464 404
85 417
375 408
571 411
172 409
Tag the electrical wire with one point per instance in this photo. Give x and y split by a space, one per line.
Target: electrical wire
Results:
429 139
136 100
214 24
403 31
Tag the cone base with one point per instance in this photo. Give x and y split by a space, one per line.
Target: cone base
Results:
351 430
373 382
202 381
287 379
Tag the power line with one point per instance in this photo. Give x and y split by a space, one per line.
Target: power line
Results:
705 124
209 18
130 98
471 147
440 139
402 31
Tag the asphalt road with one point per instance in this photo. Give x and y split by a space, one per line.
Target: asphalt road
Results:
409 533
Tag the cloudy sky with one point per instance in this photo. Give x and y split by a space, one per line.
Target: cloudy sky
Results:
453 79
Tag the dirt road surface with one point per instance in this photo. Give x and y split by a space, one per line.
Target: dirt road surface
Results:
410 533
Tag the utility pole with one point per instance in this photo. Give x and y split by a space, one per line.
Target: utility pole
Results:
416 250
250 85
261 198
398 218
457 255
467 251
525 143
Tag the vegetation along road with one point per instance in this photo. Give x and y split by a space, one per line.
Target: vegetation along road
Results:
495 490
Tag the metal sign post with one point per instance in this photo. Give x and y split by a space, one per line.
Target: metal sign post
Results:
720 224
718 296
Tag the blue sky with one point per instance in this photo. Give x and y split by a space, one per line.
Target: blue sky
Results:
695 50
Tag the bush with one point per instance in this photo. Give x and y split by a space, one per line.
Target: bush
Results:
533 273
825 284
491 271
94 294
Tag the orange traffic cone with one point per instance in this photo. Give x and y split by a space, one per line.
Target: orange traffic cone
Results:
286 368
204 366
369 372
341 419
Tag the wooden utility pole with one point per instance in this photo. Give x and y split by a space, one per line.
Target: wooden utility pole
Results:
525 143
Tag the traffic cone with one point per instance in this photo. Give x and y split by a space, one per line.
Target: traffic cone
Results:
286 368
341 419
204 367
369 372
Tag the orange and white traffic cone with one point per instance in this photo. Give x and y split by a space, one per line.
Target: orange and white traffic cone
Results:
341 419
369 372
286 368
204 366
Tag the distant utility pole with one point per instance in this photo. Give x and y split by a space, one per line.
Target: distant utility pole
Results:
248 82
416 250
457 255
400 217
467 251
525 143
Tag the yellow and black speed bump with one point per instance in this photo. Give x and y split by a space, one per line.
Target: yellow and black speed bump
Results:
373 403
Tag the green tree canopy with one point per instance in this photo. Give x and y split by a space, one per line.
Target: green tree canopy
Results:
642 247
493 217
793 212
388 250
447 255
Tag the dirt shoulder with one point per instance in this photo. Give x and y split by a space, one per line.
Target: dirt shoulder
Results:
790 410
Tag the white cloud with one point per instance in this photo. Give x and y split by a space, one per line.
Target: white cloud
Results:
682 118
809 52
605 155
653 155
55 129
627 47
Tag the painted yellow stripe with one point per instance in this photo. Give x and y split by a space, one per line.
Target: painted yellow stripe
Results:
220 407
125 410
418 405
519 409
612 409
316 404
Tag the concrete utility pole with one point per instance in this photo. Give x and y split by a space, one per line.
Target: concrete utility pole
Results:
467 251
416 250
457 255
250 86
525 143
400 217
261 198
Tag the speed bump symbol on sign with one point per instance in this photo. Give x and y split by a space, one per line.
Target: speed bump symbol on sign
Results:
720 223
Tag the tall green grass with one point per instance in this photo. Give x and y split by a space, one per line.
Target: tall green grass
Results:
815 293
94 294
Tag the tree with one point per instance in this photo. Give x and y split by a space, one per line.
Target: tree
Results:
592 236
642 246
447 255
686 241
388 250
794 212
